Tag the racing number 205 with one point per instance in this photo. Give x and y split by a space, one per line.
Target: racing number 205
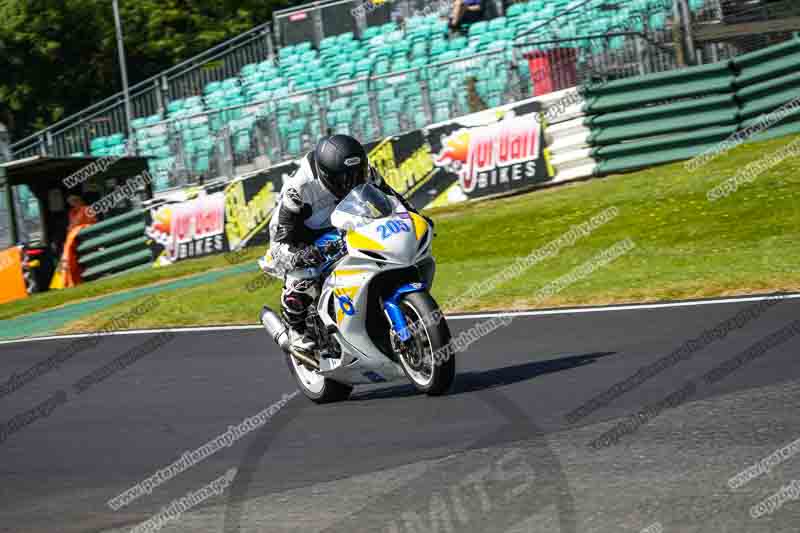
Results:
392 227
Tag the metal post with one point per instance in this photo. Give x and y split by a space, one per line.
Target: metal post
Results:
323 113
5 185
270 45
686 15
425 89
319 31
373 110
123 68
359 16
640 58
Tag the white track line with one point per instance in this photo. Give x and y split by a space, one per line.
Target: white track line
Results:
542 312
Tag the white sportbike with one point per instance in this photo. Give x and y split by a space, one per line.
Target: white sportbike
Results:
376 321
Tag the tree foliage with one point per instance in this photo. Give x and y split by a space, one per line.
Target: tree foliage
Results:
59 56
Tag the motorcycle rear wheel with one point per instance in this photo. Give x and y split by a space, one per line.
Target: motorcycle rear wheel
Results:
315 387
428 363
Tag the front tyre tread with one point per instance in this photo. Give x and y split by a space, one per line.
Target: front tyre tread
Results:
439 334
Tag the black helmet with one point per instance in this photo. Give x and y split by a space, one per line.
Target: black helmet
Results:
341 164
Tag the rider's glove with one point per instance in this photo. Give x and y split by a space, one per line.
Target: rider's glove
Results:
307 257
334 248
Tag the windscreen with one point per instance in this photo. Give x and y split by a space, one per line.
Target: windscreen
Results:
366 201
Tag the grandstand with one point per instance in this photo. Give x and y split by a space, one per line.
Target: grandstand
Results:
375 81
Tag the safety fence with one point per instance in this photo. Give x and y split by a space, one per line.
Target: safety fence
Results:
495 151
723 29
233 140
649 120
766 80
558 64
150 97
114 245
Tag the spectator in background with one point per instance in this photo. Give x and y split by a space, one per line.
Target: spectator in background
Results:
68 272
79 213
466 12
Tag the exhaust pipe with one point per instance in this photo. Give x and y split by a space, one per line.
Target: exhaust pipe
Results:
275 328
278 332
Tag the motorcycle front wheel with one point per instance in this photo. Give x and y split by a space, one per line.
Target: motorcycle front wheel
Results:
427 359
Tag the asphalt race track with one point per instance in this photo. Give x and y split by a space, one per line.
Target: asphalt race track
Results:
498 454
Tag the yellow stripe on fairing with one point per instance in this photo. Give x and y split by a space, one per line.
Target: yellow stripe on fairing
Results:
419 225
356 240
344 272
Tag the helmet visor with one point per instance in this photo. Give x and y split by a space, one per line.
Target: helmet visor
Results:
341 183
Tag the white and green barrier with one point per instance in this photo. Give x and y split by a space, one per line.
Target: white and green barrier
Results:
114 245
650 120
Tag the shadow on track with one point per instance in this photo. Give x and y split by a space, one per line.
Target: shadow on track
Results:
543 484
489 379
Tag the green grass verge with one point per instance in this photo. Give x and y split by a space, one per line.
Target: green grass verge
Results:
686 247
120 283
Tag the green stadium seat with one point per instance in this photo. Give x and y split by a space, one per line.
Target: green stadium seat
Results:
327 42
497 24
401 48
174 106
441 112
391 124
515 10
248 70
363 66
345 37
399 64
267 67
294 145
371 32
229 83
115 139
97 143
477 28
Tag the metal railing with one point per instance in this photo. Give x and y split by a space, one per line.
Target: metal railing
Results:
317 20
265 132
557 64
149 97
722 29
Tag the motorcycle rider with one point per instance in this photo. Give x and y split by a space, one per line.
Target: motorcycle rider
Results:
303 213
